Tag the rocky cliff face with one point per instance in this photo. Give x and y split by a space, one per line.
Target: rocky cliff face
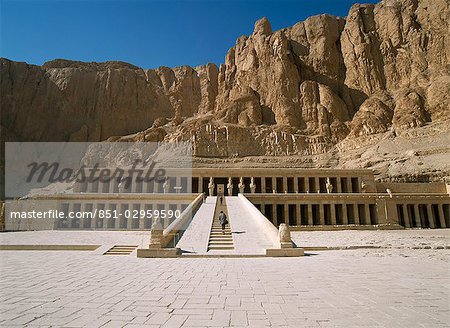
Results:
310 94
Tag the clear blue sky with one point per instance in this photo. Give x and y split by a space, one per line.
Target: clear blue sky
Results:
145 33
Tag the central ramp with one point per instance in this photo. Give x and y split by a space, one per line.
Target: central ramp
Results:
195 238
248 233
250 237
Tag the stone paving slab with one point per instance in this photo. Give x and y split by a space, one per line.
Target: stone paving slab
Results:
408 238
77 237
356 288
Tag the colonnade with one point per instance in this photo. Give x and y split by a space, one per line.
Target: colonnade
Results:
424 215
322 213
286 184
175 184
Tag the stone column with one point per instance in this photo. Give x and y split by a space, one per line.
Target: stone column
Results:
70 208
344 214
77 187
200 184
285 186
357 219
298 215
166 219
321 214
263 185
441 215
306 181
406 216
84 208
358 185
317 185
310 215
94 219
263 209
90 186
286 213
349 185
141 217
333 213
133 184
418 221
338 185
274 184
177 184
430 216
105 220
295 184
367 213
112 183
119 208
130 217
274 214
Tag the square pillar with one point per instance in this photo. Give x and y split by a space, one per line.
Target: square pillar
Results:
321 216
105 220
418 222
200 184
177 184
430 216
94 219
112 183
141 217
263 209
286 214
166 219
306 182
133 187
119 211
274 184
344 214
349 184
357 219
367 213
274 215
285 186
310 216
333 213
338 185
358 185
406 216
263 185
297 215
317 186
130 218
441 215
70 208
296 184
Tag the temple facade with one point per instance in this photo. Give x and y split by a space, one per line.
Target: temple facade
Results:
303 199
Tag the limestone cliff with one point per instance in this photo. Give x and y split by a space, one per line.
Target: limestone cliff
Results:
329 91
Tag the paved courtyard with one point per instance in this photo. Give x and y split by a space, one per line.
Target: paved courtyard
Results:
397 287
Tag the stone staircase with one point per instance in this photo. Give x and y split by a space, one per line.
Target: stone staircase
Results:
121 250
220 240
